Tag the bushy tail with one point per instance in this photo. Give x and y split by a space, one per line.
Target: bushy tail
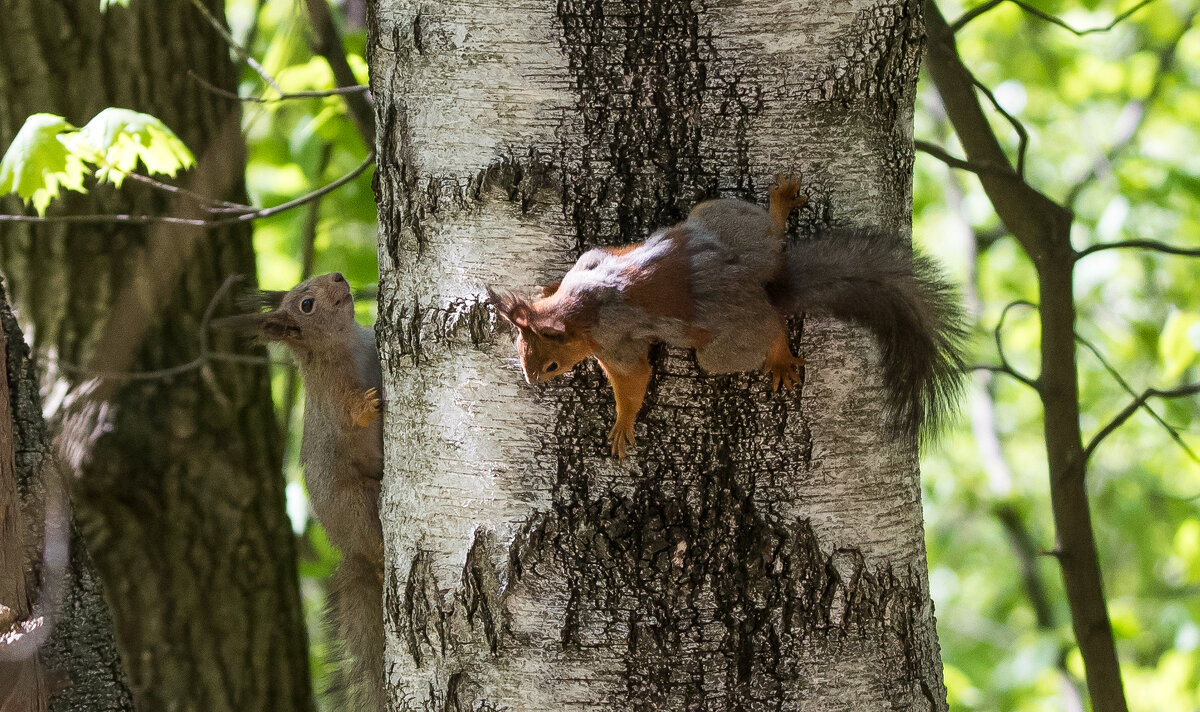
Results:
874 280
356 613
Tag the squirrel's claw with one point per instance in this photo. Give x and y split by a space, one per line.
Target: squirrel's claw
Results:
786 191
787 373
621 436
365 408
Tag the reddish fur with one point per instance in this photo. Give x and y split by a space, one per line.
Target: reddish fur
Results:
664 287
621 250
557 327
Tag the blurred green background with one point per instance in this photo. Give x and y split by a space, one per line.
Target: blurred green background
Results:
1002 617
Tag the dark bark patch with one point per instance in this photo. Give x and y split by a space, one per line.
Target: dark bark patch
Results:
423 619
884 49
525 179
665 118
698 577
480 591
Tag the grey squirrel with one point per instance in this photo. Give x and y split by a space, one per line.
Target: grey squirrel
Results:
723 283
342 454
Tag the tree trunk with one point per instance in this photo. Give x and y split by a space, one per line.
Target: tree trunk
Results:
77 668
755 551
179 493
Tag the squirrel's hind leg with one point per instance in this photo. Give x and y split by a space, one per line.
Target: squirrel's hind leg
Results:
786 370
785 197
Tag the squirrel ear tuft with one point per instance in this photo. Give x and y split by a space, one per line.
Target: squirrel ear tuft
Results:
549 291
274 326
508 305
550 328
279 326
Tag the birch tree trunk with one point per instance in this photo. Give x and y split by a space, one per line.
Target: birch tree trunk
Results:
179 491
755 551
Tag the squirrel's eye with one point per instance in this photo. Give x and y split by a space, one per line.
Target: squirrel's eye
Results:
552 367
306 306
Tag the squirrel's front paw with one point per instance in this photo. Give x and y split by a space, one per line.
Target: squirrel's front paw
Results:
786 191
621 436
365 408
786 373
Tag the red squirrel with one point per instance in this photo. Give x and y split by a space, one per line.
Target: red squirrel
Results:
723 283
342 454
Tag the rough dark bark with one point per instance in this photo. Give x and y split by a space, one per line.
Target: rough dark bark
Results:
755 551
79 662
179 495
1043 229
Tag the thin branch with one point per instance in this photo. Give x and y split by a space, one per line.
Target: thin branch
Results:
985 7
1139 244
212 205
1116 376
1002 369
972 14
205 356
1133 115
1140 402
1022 134
197 222
233 44
288 96
955 162
1006 366
328 43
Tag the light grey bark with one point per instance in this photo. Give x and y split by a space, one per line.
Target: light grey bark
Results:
755 551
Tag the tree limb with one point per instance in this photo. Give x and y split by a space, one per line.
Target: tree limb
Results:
287 96
1042 227
328 43
1139 244
987 6
198 222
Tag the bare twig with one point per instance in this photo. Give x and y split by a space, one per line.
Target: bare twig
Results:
1022 134
1140 402
206 354
197 222
955 162
1172 431
287 96
985 7
212 205
233 44
328 43
1139 244
1006 366
1002 369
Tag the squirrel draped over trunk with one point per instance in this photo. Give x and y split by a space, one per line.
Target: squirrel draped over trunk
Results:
723 282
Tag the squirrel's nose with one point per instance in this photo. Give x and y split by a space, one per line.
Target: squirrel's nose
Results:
337 277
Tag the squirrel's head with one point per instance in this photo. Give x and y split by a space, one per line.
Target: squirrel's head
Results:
317 310
547 344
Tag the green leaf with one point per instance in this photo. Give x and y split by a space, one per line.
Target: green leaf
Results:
42 158
1179 343
120 137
